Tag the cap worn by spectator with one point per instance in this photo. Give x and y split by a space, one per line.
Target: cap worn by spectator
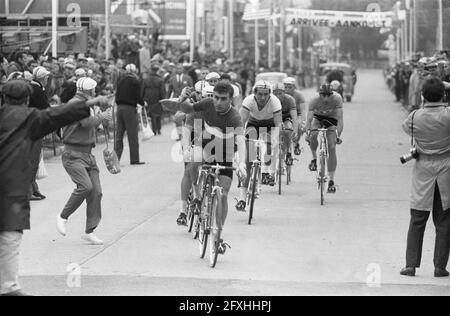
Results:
131 68
17 89
82 57
40 72
201 85
212 75
80 72
225 77
86 84
70 64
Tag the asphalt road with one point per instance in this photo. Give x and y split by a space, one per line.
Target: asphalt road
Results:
354 245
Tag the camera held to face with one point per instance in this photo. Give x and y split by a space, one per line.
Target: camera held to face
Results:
413 154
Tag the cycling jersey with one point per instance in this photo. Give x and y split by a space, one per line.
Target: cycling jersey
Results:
265 116
287 105
219 128
299 100
327 108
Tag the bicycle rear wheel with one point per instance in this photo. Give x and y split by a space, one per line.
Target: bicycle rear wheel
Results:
216 211
252 192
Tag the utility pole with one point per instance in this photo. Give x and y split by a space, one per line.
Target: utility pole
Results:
193 29
257 54
231 31
440 45
107 29
300 47
55 11
411 31
416 26
282 36
270 36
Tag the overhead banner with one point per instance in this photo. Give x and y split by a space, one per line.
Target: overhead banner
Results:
321 18
339 18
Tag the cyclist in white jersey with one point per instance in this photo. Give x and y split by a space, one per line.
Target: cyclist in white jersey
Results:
262 116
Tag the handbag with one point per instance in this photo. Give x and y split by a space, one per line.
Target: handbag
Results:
42 170
111 160
147 132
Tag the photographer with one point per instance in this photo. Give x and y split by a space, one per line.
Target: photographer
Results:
430 129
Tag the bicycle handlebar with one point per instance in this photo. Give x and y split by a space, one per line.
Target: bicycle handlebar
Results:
218 167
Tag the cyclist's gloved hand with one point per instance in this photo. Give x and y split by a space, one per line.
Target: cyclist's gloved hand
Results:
339 141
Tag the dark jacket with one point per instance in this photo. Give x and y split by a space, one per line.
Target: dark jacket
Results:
20 128
129 91
153 91
38 98
177 87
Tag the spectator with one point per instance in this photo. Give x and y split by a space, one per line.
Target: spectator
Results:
176 85
24 126
80 164
430 129
128 97
153 92
19 64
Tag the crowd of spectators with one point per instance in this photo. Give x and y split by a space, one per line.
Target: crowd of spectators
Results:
406 79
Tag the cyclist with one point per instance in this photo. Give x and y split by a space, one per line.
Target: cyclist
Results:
326 111
261 114
290 120
222 123
192 153
291 90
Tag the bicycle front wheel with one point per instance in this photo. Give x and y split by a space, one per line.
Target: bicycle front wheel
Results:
216 214
204 227
322 179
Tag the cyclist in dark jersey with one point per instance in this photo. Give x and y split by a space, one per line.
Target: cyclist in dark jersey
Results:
290 121
222 123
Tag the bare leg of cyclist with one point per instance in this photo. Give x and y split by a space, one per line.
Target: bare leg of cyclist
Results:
314 144
186 185
332 160
225 183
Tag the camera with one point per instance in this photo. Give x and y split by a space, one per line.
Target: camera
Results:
413 154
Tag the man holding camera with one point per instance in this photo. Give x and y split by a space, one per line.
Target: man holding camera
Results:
429 128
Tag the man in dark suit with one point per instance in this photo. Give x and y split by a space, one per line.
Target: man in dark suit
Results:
128 99
153 91
176 85
20 128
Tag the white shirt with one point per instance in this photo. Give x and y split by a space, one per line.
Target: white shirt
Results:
272 107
